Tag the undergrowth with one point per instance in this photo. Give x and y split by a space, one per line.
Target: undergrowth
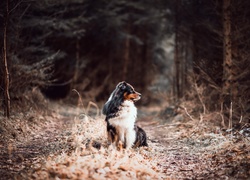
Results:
70 142
88 155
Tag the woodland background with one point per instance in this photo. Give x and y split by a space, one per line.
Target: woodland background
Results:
61 59
194 50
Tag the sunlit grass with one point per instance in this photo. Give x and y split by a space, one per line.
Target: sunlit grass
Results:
82 160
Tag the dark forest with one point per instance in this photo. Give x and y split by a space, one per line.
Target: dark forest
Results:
61 60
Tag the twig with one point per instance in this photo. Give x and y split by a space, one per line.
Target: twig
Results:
203 105
174 124
6 68
221 114
80 103
201 118
95 105
187 113
230 125
15 7
241 118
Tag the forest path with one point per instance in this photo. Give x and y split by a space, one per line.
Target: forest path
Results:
193 150
36 141
181 149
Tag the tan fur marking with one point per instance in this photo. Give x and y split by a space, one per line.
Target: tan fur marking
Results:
130 96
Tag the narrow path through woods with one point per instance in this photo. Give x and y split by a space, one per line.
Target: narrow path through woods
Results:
181 149
16 156
194 150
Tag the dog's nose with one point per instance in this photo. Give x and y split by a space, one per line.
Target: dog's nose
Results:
139 94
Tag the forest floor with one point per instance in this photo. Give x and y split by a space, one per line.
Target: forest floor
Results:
70 143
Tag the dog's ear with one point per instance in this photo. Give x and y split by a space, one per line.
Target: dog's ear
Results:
122 85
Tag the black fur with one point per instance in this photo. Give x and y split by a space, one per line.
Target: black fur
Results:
141 137
111 110
112 131
111 107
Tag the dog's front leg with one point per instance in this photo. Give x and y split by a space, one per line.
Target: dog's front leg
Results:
130 138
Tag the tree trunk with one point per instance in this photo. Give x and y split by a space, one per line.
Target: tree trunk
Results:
227 50
76 73
5 63
176 53
182 68
126 54
227 59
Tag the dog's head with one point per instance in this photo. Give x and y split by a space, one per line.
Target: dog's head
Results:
123 92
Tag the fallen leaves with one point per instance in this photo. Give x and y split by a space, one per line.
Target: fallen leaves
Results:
76 148
85 161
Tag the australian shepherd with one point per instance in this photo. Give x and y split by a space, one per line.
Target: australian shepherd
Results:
121 115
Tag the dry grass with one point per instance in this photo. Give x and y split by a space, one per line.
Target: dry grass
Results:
83 159
70 143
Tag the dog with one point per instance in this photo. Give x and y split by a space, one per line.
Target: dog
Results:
121 115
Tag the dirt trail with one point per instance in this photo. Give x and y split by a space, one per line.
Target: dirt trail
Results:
195 151
16 156
182 150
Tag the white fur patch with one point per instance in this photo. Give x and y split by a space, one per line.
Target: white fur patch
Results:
124 123
110 97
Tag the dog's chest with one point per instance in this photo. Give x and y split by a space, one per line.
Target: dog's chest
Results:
126 115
